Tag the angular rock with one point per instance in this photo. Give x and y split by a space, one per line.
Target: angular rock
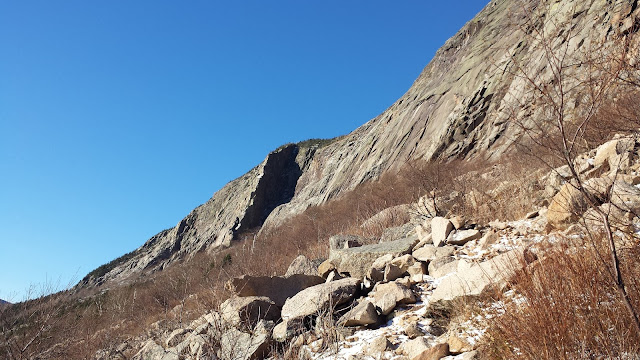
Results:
326 268
415 347
423 231
569 204
387 296
376 272
471 279
427 240
275 288
404 281
362 314
566 206
488 239
247 311
385 303
616 153
417 271
618 219
458 345
392 272
398 267
458 222
317 299
403 262
378 346
333 276
436 352
440 229
287 329
357 261
462 237
429 252
302 266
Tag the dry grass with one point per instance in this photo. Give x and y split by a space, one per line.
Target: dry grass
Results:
85 322
569 308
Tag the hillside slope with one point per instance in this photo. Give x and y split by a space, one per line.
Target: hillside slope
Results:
457 107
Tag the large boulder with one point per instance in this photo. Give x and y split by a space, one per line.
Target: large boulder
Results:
566 206
387 296
471 279
569 203
362 314
247 311
319 299
358 260
276 288
440 229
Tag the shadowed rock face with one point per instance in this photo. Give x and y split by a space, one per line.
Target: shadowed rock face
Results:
460 106
240 205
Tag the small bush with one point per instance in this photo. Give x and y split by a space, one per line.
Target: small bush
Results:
568 308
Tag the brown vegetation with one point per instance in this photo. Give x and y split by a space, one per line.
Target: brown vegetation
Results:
567 307
82 322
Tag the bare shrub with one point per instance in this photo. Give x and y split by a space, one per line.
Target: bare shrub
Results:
567 308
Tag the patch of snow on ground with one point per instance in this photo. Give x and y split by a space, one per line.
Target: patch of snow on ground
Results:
472 330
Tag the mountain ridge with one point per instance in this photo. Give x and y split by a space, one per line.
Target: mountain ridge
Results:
456 108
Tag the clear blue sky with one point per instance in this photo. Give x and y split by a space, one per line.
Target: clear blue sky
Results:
117 118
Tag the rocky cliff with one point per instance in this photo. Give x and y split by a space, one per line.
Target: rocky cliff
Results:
458 107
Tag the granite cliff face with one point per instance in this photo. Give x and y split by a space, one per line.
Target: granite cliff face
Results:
457 107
